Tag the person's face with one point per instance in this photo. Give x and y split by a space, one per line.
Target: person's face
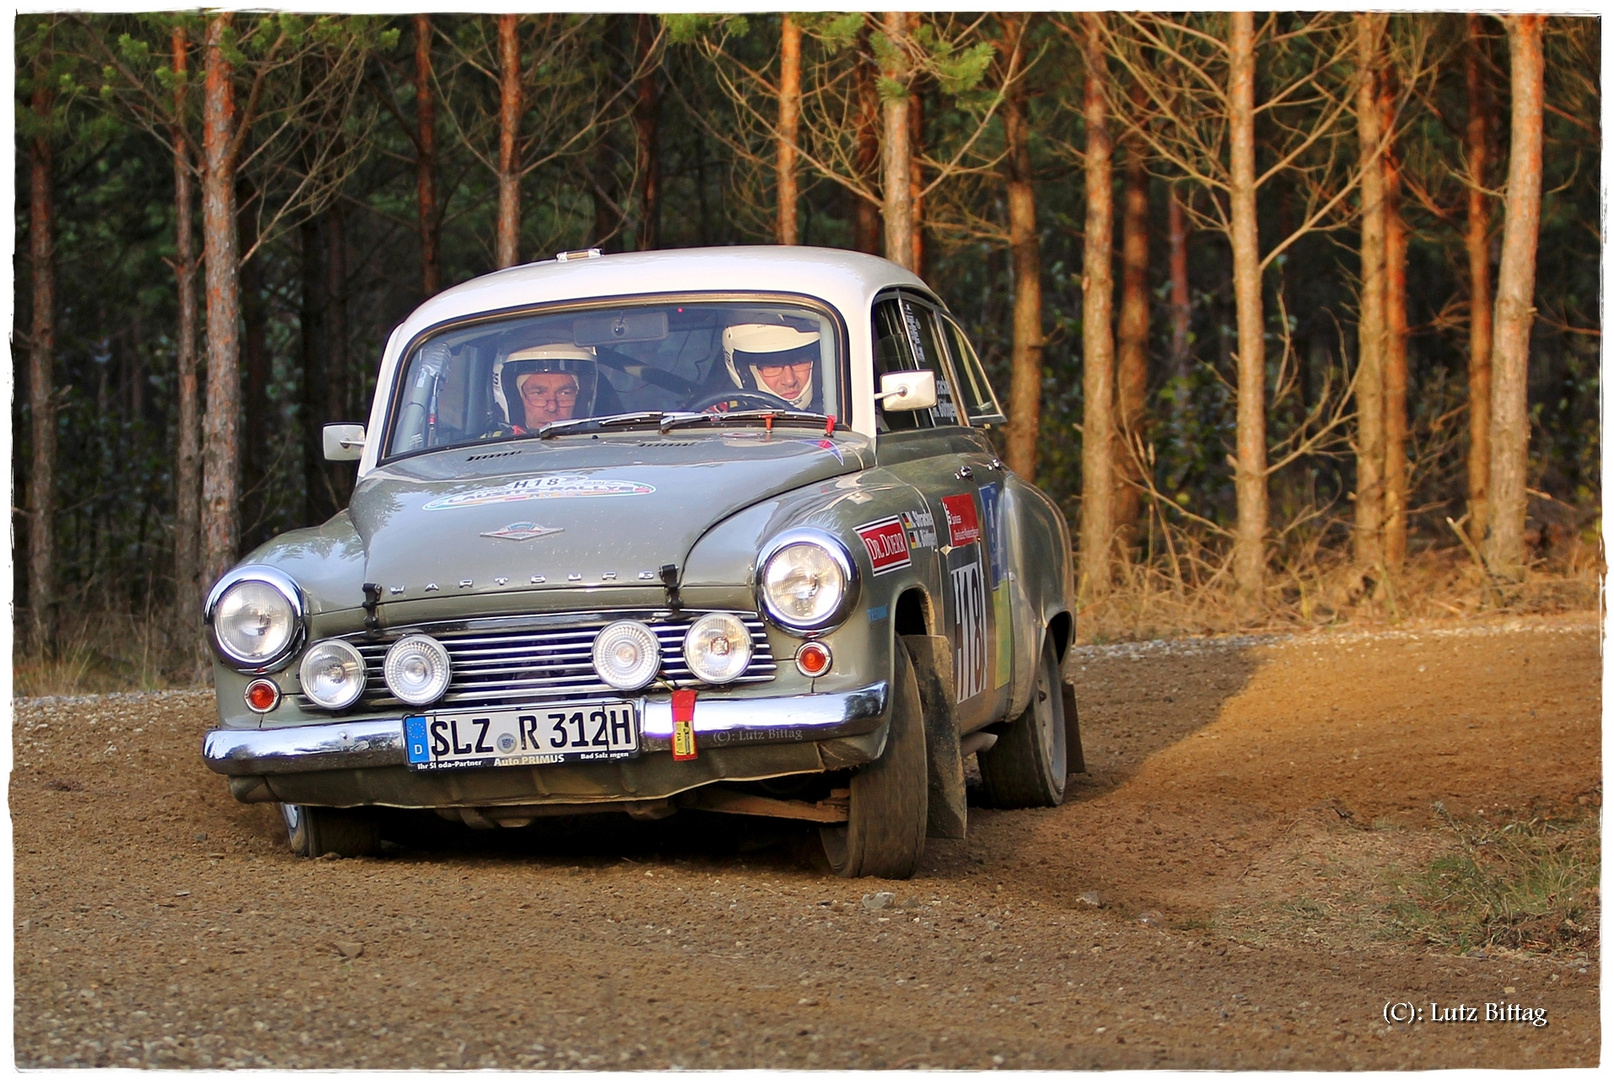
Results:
548 395
785 380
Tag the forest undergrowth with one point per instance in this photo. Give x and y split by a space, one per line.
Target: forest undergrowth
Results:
1182 585
1185 589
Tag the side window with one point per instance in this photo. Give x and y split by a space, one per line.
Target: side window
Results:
980 404
907 337
893 351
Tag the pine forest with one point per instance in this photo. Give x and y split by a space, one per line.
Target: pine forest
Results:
1296 315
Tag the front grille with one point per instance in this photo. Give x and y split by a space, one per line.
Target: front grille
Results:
495 663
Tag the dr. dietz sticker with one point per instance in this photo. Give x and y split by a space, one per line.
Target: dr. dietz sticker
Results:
887 544
542 487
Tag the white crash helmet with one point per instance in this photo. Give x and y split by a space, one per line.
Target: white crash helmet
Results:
748 346
572 360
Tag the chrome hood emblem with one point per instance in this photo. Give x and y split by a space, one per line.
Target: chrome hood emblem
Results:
522 530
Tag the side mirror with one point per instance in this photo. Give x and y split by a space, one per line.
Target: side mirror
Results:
907 391
344 442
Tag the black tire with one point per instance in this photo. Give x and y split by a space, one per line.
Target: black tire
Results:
320 830
1026 766
885 832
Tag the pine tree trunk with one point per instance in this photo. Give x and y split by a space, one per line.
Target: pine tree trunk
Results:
431 279
1250 473
1395 340
508 237
1478 241
866 223
255 359
221 443
916 174
648 164
1098 346
1132 336
789 126
317 504
1515 301
896 158
1025 358
1181 302
188 464
340 378
42 380
1369 535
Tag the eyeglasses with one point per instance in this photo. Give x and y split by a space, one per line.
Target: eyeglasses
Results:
542 393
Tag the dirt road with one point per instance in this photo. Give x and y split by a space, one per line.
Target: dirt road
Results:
1216 894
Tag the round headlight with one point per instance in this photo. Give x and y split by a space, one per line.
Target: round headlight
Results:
717 648
256 620
417 670
805 585
332 674
627 655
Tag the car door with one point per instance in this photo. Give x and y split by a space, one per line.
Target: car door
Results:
1015 633
935 451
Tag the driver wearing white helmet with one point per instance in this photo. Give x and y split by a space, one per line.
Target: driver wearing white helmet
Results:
541 384
776 360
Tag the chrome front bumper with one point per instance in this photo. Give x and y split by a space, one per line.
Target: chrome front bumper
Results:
718 721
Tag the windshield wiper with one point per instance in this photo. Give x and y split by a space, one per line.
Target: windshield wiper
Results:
595 423
744 416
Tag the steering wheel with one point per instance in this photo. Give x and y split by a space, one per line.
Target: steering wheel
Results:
754 399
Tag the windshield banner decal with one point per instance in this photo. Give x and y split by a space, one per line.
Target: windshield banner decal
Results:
541 487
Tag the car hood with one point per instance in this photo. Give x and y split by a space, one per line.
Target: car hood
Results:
576 511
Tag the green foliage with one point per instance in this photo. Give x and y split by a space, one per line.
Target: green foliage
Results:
836 31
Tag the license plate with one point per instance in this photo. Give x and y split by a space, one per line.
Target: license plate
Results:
586 731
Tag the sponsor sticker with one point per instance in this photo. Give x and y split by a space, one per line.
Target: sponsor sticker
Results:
963 524
541 487
887 544
683 739
920 525
969 648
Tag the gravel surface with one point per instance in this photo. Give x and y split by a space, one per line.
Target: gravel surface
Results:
1215 894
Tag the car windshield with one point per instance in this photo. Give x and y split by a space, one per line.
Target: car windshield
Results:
538 374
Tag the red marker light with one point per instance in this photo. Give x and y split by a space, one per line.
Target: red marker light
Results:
262 695
813 659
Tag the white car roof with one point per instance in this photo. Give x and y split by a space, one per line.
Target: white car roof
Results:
847 280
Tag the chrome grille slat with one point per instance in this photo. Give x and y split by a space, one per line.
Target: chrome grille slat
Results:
552 659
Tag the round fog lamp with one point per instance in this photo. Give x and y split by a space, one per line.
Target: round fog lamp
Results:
332 674
718 648
627 655
813 659
417 670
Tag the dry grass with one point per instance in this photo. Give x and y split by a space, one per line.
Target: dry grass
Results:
1524 885
105 652
1187 588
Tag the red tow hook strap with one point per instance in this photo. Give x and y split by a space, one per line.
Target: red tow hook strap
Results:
829 426
683 739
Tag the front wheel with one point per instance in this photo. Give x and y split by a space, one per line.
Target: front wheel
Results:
885 830
321 830
1026 766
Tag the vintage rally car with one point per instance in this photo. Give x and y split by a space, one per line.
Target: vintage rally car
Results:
714 529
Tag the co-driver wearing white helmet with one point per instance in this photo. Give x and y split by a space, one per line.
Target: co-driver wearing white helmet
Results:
774 359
